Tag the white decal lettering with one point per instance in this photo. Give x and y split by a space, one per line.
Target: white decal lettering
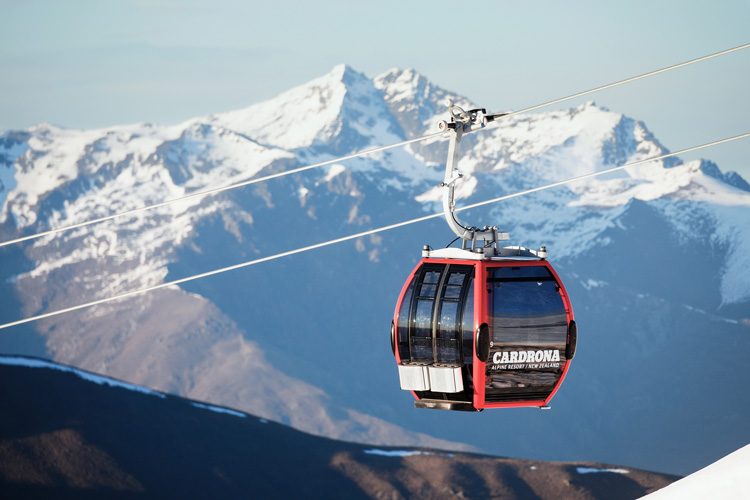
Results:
547 359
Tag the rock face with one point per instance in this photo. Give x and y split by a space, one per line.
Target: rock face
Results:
98 437
653 257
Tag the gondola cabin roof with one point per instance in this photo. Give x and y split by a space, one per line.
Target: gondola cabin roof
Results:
485 253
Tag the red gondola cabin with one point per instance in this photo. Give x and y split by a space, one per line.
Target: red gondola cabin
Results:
470 334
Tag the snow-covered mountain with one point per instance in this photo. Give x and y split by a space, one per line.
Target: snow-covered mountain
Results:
654 259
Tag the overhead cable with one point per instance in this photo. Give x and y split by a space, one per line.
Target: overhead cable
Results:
214 191
364 233
628 80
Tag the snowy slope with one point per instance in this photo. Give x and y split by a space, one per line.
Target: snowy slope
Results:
100 172
97 379
726 479
666 240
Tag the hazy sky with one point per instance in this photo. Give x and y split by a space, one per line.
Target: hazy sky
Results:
94 63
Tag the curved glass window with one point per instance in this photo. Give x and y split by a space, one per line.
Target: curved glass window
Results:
431 317
467 325
403 322
424 307
529 328
448 331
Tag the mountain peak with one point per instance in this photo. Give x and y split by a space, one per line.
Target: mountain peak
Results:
408 81
340 112
731 178
396 73
340 75
345 74
414 100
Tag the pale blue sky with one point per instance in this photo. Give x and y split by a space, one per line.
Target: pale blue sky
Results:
93 63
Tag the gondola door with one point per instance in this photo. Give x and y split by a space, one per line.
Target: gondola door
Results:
433 333
528 314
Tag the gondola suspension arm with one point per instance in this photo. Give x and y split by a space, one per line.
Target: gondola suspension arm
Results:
463 122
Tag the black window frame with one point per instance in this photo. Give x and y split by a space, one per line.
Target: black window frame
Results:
414 296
